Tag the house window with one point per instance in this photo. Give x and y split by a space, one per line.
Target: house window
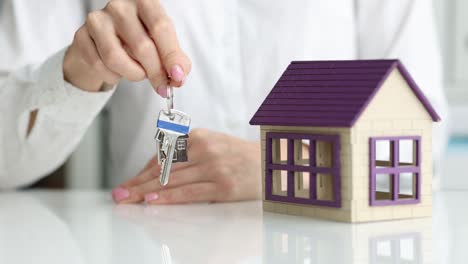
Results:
395 170
181 144
303 169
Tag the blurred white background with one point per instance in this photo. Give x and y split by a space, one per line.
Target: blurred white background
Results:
452 21
86 169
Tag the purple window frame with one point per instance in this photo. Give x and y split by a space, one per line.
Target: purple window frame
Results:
394 171
290 167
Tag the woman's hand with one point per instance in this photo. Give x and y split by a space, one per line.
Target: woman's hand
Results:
132 39
221 168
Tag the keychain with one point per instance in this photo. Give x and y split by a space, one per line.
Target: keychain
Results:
171 137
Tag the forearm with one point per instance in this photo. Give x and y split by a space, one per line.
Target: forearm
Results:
32 145
77 73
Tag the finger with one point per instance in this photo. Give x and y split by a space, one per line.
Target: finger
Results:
152 162
90 55
121 193
135 189
109 46
142 48
144 176
152 171
162 31
177 178
198 150
190 193
195 143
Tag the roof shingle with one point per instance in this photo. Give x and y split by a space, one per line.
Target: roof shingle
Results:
328 93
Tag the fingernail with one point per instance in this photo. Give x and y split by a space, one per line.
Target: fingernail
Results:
177 74
151 197
182 82
120 193
162 91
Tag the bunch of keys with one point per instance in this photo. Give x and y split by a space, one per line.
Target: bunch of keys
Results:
171 137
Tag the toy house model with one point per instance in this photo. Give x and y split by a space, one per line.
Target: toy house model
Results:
347 141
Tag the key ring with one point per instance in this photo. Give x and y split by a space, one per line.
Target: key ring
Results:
170 102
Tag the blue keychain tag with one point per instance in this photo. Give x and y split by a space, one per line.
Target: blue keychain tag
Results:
176 122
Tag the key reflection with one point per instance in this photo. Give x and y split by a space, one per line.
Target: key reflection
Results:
166 254
289 239
200 233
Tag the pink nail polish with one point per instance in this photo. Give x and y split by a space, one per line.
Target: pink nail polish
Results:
177 74
162 91
151 197
120 193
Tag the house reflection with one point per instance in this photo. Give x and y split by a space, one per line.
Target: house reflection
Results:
404 248
289 239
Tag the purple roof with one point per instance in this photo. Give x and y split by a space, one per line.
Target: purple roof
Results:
329 93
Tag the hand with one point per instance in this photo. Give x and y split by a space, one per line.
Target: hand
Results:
133 39
221 168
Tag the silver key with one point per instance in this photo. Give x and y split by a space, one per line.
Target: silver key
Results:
172 125
159 137
168 148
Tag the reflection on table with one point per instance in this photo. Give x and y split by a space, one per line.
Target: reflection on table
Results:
317 241
86 227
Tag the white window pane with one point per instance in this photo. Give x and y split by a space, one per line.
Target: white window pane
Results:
407 183
407 152
384 186
383 153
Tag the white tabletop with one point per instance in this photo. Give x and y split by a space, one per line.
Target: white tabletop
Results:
86 227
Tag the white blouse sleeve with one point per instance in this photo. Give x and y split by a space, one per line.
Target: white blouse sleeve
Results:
65 112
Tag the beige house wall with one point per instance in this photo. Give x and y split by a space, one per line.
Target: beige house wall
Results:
394 111
338 214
